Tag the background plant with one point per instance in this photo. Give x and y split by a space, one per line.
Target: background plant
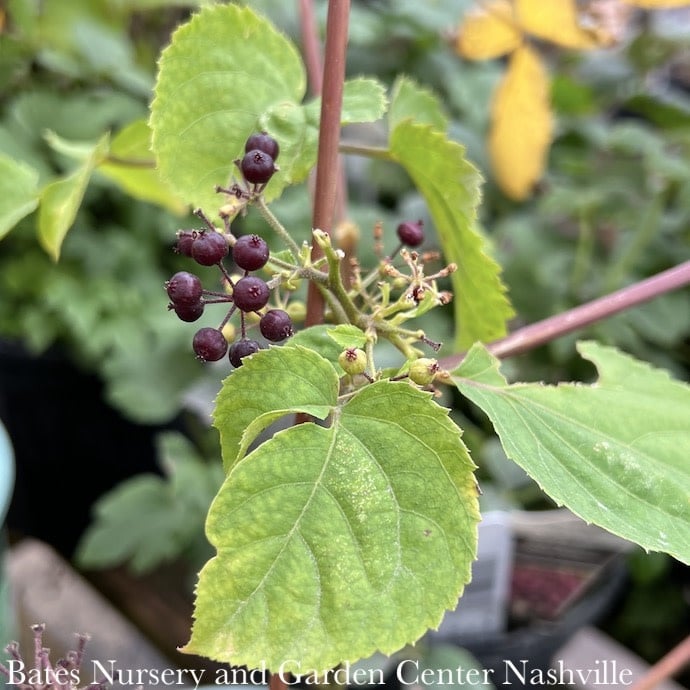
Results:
518 232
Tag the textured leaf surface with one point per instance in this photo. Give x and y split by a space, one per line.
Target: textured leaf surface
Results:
411 101
364 100
336 541
347 335
521 124
450 185
246 403
614 452
60 201
130 165
18 192
488 31
224 71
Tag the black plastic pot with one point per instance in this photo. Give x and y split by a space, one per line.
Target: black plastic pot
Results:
70 446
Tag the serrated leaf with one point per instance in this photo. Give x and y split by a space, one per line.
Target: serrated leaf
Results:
335 542
411 101
18 192
450 186
60 200
556 21
290 125
347 335
301 381
488 31
614 452
521 124
316 338
131 165
214 85
364 100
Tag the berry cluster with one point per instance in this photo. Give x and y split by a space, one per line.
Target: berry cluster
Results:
248 294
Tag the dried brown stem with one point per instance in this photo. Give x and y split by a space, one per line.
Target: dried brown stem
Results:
536 334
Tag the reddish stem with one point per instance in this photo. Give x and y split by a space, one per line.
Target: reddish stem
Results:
276 682
665 668
311 46
529 337
325 191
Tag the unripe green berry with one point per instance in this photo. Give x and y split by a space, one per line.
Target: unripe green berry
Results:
297 311
423 370
353 361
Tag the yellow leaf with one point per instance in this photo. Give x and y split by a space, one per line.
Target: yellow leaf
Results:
521 124
658 4
488 31
556 21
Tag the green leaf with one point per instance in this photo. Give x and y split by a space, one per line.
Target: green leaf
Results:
347 335
245 405
147 519
614 452
335 542
77 150
411 101
450 186
60 201
364 100
18 192
317 338
130 164
224 70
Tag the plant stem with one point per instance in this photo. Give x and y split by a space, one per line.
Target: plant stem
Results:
529 337
310 45
666 667
277 226
325 192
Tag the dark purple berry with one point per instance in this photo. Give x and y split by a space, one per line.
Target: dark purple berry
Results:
250 293
241 349
189 312
250 252
276 325
185 240
209 344
257 166
209 248
184 288
263 142
411 233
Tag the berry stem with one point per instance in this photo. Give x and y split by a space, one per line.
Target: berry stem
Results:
335 279
325 192
227 317
542 332
276 225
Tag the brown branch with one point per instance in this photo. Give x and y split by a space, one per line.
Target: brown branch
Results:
666 667
529 337
311 46
327 164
